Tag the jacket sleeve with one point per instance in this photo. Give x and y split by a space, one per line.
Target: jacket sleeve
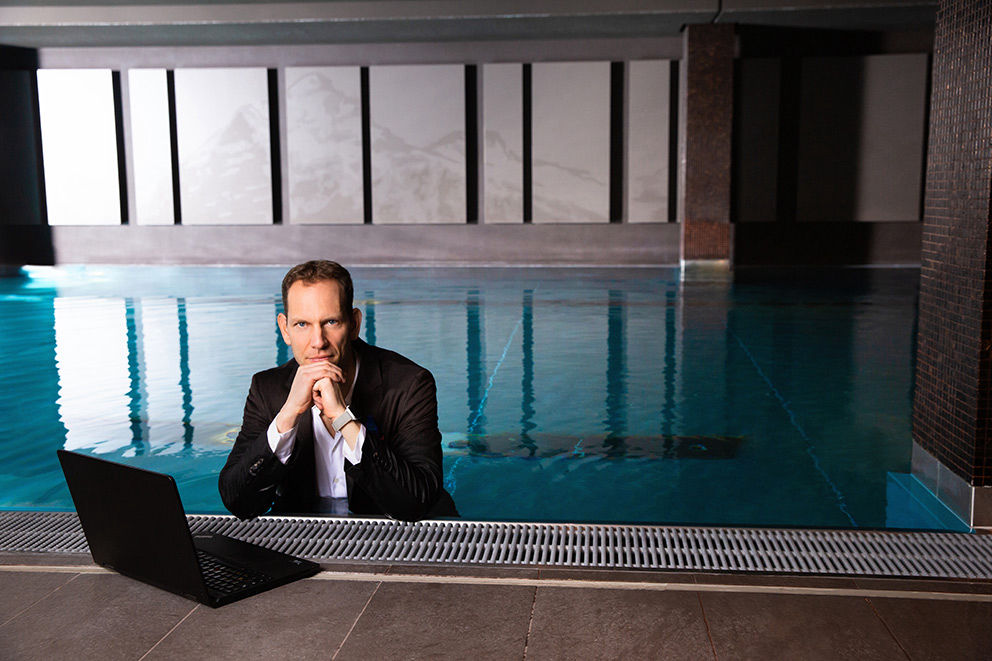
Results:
249 479
401 473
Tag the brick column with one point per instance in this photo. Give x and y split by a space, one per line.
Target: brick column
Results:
952 409
706 104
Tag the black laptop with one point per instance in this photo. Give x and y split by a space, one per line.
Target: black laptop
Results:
135 524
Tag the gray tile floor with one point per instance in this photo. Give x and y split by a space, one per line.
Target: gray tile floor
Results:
63 607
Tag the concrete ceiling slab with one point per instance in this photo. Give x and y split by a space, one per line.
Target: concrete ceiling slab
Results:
115 23
39 25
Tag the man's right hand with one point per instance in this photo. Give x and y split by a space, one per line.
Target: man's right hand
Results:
301 392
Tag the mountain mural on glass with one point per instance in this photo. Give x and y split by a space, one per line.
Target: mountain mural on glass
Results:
324 132
571 141
417 115
570 194
648 195
648 108
413 183
503 131
222 127
504 179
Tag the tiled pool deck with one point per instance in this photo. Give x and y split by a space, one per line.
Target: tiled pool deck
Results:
61 606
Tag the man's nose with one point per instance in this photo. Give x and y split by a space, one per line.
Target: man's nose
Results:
317 338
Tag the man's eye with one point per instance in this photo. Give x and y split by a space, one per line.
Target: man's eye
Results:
331 322
300 324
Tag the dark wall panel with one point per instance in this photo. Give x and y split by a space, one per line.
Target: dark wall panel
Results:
20 196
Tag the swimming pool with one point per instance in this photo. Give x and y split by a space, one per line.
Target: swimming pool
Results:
620 395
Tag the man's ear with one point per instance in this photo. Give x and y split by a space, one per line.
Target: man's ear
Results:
283 329
356 323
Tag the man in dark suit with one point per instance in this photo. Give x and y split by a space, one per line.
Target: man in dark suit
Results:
343 422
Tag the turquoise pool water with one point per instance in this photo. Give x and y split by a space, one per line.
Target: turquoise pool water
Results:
564 394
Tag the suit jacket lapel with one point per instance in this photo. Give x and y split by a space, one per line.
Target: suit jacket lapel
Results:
368 387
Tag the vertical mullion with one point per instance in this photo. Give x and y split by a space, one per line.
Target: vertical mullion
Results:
170 85
527 146
115 79
617 141
366 146
274 146
471 144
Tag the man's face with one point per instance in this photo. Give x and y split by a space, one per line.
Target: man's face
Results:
314 325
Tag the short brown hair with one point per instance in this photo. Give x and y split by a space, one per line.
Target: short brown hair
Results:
319 270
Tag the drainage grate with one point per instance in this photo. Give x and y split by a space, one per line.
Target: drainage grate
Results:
839 552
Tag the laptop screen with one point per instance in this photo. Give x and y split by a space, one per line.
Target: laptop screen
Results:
134 522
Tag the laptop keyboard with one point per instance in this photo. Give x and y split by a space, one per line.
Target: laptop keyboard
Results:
225 578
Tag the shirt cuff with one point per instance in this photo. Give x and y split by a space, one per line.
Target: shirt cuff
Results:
281 444
355 456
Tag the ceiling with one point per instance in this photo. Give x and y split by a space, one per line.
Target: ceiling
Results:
75 23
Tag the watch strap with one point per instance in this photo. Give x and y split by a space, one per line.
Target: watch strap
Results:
339 422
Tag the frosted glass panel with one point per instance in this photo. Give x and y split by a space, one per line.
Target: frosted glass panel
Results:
861 138
647 141
503 131
571 141
222 124
152 154
418 143
893 128
79 146
324 142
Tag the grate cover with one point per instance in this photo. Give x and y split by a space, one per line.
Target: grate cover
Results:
794 551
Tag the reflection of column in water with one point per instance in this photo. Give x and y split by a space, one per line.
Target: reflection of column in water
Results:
616 374
137 394
282 351
668 373
184 373
476 365
369 320
527 380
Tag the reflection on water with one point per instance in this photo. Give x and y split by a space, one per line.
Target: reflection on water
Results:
614 395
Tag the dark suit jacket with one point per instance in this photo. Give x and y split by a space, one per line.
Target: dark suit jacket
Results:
400 472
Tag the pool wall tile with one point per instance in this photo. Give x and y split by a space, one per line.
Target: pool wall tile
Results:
95 616
307 619
706 100
406 619
783 626
617 624
925 467
952 410
981 516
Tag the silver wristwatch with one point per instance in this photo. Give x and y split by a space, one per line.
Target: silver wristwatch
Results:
343 419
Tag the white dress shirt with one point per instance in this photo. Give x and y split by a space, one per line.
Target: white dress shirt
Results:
330 450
